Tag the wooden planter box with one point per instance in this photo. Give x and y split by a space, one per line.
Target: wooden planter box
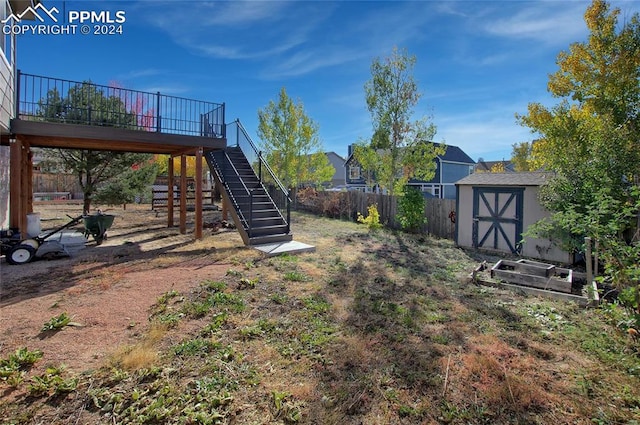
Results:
533 274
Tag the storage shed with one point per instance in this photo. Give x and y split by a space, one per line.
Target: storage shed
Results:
494 209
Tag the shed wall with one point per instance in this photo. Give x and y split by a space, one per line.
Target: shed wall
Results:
532 212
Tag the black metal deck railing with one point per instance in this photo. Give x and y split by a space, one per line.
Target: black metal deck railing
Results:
238 136
62 101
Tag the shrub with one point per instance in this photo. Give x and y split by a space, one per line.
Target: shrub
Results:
373 218
411 210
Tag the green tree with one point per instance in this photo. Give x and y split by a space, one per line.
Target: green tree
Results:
86 103
402 146
411 210
368 160
291 144
521 156
591 140
130 184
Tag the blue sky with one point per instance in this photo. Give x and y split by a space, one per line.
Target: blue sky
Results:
478 62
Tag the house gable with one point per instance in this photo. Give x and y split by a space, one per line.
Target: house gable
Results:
353 172
339 164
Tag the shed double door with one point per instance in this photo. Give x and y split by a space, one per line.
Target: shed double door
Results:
497 218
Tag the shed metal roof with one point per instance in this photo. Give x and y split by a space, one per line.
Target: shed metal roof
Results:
506 179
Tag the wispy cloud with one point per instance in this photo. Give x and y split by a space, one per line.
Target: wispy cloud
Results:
139 73
547 22
293 38
485 131
372 34
198 14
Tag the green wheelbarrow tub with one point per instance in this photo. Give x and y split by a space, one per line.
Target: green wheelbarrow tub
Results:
97 225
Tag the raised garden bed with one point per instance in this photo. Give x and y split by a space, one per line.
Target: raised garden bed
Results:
535 278
533 274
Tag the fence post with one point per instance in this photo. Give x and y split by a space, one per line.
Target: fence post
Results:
595 259
588 259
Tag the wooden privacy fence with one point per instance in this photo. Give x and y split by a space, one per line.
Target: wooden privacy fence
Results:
347 205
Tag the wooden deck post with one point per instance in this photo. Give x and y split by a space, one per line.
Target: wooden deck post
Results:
15 185
26 187
198 179
170 194
183 194
28 180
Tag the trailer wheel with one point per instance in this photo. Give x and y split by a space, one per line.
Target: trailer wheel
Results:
21 254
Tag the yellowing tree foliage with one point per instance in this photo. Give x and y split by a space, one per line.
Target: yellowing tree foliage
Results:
291 144
591 139
163 164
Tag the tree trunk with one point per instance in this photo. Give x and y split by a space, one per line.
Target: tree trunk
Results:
86 205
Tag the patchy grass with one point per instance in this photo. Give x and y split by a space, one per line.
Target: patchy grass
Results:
374 328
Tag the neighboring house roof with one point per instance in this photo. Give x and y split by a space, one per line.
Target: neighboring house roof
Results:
506 179
487 166
455 154
339 176
334 157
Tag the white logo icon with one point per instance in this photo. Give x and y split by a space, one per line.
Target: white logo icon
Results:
34 10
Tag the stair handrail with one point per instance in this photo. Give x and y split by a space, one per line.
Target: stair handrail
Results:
262 161
230 193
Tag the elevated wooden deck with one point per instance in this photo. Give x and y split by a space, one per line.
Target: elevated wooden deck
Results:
40 134
121 121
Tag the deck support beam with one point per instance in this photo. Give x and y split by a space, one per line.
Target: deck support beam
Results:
170 195
15 185
20 185
198 179
183 194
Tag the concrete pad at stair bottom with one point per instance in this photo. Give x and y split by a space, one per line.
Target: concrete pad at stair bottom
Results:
277 248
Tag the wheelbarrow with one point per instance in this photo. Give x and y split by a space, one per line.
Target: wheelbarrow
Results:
97 226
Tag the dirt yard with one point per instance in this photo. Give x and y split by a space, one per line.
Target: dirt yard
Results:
108 288
374 327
